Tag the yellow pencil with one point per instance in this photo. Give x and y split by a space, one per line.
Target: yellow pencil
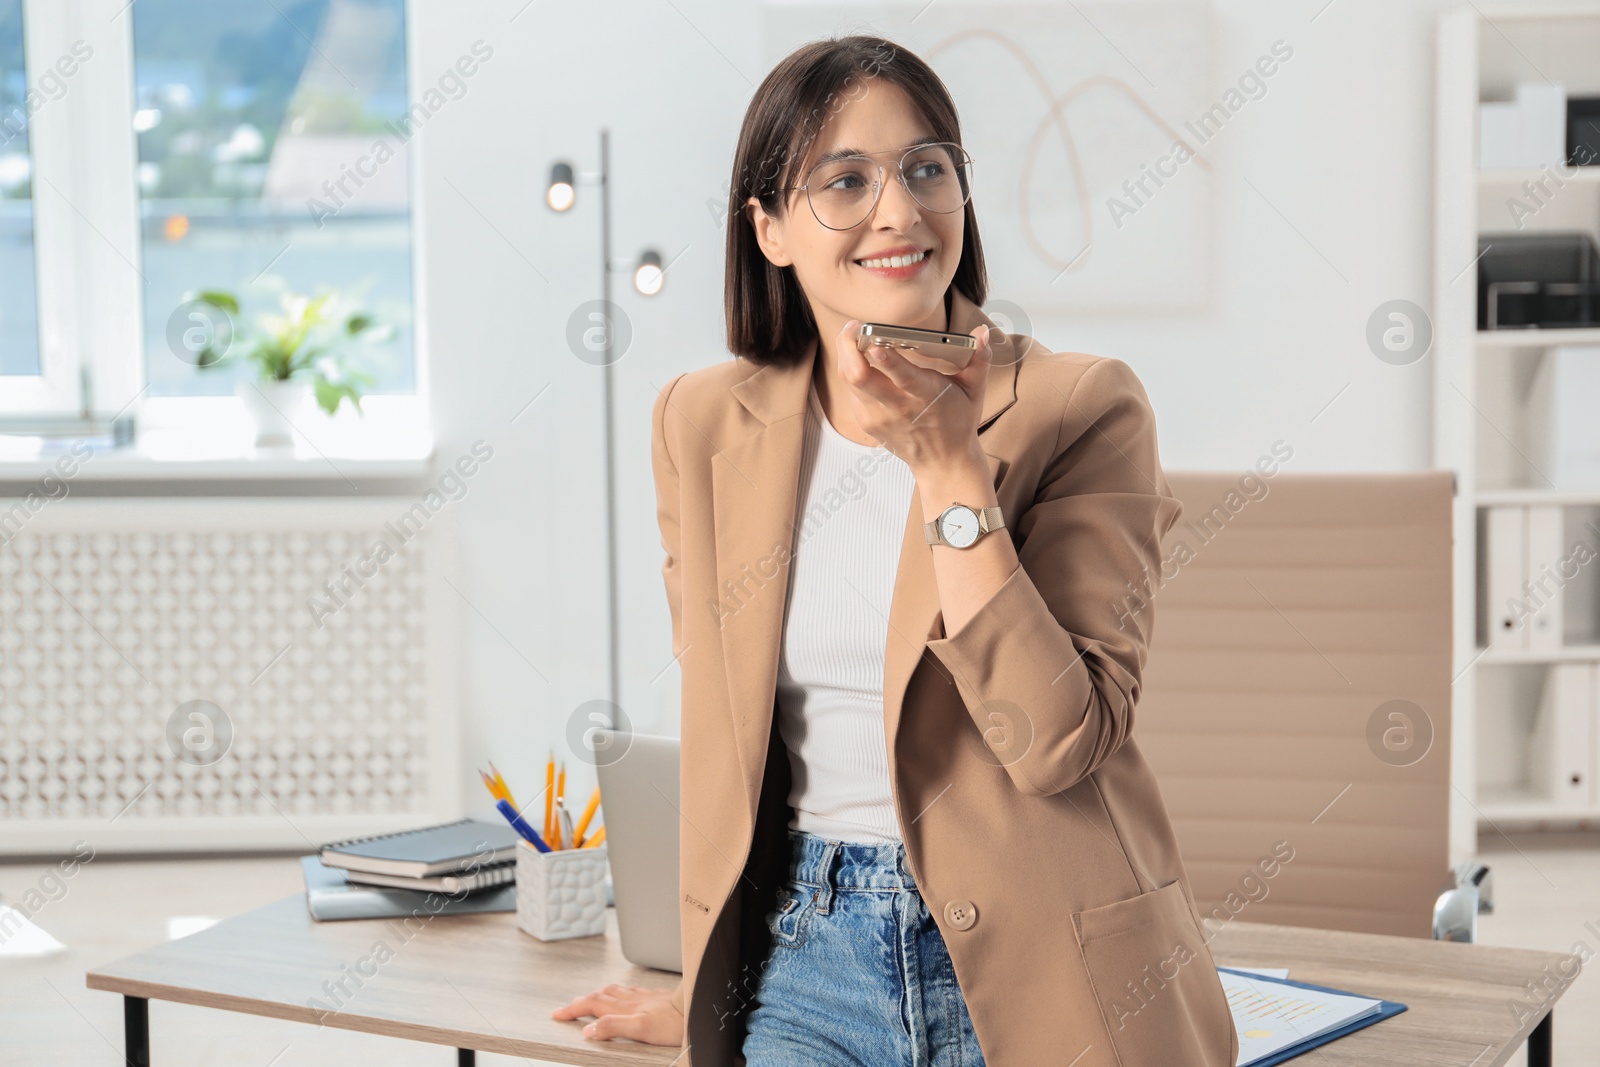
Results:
549 793
588 813
505 790
599 836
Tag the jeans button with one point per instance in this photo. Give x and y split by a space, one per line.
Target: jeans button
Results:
961 913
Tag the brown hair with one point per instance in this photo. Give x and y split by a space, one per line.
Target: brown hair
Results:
768 317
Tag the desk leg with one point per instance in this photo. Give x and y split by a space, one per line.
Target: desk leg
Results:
465 1057
1540 1044
136 1031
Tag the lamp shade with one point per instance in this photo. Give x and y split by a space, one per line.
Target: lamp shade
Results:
648 276
562 192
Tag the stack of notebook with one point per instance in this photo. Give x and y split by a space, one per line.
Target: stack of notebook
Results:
469 863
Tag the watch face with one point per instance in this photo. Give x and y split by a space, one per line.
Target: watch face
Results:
959 525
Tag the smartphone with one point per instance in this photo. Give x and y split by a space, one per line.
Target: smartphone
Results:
946 353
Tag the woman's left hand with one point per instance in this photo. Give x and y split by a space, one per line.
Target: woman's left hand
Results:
928 419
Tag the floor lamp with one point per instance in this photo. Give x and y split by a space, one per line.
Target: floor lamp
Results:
648 276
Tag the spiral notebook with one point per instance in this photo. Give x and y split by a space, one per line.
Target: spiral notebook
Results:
448 849
465 882
331 895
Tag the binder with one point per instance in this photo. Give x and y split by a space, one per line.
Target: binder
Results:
1505 556
1561 745
1569 381
1386 1009
1541 591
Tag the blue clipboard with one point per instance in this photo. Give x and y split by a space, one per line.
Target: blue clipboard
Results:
1386 1009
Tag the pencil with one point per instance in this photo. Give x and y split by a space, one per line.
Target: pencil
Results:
561 797
588 813
549 793
599 836
505 790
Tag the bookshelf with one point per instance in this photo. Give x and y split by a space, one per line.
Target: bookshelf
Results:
1515 761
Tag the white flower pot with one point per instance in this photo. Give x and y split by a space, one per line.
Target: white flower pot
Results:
274 407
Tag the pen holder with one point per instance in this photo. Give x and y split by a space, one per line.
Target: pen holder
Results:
561 893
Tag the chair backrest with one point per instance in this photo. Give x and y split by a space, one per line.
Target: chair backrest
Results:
1296 700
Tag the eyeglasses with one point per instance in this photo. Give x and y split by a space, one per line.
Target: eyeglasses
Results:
843 192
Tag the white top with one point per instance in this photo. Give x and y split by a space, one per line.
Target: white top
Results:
853 502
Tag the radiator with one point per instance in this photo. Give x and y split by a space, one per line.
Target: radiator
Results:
199 674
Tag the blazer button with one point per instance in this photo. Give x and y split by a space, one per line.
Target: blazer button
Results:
961 914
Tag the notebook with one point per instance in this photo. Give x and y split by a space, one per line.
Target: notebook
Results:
430 850
484 877
329 895
1278 1019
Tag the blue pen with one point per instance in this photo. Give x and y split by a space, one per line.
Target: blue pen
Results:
520 825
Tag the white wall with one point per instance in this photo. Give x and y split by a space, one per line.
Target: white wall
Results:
1340 146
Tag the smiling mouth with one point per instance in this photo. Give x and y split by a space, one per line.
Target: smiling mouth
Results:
890 262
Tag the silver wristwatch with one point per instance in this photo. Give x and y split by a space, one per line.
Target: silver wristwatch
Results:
959 526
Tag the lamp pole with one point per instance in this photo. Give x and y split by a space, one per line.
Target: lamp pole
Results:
614 654
648 279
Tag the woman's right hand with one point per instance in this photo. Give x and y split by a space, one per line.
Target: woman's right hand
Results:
631 1011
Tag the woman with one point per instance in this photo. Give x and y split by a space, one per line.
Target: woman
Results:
915 829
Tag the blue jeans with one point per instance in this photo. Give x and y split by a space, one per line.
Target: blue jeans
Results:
859 975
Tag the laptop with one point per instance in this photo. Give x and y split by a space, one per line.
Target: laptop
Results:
639 795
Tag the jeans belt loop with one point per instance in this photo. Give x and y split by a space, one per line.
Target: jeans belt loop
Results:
825 876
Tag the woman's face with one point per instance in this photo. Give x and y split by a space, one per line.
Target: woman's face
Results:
881 121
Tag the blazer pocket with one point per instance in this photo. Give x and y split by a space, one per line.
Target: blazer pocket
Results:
1155 982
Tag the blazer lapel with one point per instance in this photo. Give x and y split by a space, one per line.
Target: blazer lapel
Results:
755 498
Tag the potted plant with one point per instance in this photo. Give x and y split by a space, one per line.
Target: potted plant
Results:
303 351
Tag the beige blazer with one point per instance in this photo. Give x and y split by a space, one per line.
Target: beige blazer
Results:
1033 827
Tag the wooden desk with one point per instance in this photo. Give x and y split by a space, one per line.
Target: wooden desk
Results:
1459 998
472 981
477 982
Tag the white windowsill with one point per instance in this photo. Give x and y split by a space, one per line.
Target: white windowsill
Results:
209 438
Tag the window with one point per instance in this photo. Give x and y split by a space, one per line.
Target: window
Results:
19 300
152 149
251 118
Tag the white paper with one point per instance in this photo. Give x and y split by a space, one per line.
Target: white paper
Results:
20 937
1270 1016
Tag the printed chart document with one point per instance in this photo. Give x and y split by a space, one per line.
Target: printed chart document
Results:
1271 1015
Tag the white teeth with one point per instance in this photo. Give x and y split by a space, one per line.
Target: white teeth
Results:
895 261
